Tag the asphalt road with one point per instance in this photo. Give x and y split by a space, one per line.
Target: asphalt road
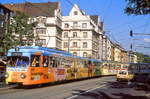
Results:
99 88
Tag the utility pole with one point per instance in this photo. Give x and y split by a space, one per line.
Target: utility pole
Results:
131 46
68 44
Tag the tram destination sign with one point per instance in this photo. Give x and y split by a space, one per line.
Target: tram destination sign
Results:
16 53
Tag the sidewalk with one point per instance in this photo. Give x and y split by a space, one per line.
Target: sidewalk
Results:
2 84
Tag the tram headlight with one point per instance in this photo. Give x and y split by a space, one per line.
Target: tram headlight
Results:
23 76
6 75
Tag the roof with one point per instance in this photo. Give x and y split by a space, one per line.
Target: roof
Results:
94 18
35 9
2 6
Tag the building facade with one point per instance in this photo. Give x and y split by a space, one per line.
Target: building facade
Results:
81 34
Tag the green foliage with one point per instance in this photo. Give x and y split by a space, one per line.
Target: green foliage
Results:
142 58
138 7
19 31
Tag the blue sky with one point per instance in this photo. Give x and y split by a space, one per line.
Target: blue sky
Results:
117 24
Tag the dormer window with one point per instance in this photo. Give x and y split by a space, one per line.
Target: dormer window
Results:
75 12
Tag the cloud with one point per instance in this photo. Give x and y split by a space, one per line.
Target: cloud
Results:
146 40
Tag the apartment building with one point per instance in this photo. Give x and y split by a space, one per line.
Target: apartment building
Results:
81 33
48 17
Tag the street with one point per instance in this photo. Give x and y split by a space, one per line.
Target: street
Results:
97 88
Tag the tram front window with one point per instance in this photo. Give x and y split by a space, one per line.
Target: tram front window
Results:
19 61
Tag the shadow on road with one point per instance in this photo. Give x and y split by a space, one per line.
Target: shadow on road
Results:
92 95
135 85
119 85
115 90
128 96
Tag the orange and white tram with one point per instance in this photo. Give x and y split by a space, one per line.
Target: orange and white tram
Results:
37 65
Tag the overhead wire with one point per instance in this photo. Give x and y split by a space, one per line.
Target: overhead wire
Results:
106 12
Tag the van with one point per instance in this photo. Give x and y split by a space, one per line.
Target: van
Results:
124 75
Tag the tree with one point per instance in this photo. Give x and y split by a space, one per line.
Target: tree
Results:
138 7
142 58
19 31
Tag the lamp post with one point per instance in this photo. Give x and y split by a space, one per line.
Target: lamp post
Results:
68 44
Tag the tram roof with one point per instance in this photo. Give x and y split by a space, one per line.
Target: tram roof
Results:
45 49
95 60
30 51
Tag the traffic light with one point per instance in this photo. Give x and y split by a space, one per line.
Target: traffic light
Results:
131 46
131 33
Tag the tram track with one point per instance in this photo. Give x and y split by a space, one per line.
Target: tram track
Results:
10 89
53 91
16 88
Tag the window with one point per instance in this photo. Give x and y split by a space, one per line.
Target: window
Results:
43 20
65 34
74 44
84 25
41 41
31 20
75 24
1 23
19 61
75 12
85 35
53 61
74 34
84 44
45 61
35 60
84 54
41 30
65 44
1 11
66 25
75 53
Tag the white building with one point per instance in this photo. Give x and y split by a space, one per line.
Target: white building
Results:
48 17
82 34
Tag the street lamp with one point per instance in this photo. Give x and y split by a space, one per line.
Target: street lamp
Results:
68 44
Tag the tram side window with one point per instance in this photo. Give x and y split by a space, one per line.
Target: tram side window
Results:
53 62
58 62
62 62
89 63
45 61
85 64
35 61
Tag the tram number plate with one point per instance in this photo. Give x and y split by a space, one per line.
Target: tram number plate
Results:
16 53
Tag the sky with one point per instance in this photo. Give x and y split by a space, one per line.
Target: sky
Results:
117 24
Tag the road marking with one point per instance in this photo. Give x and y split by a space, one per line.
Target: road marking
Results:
85 92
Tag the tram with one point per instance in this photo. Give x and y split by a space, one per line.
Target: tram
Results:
30 65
